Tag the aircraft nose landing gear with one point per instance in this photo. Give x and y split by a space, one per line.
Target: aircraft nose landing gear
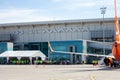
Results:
111 62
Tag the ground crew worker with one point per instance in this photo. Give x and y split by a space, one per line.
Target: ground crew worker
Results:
93 62
110 62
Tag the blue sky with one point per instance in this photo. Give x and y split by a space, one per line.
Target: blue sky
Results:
12 11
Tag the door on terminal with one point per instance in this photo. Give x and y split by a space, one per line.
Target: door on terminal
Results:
72 56
72 49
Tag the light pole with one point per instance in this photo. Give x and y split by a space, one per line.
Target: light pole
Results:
103 10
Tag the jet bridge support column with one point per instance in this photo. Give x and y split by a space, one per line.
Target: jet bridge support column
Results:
84 51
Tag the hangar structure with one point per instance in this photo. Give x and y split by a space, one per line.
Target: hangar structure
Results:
63 33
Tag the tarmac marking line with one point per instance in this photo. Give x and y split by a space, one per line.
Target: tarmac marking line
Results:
92 77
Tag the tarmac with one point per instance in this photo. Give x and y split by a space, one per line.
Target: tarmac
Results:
58 72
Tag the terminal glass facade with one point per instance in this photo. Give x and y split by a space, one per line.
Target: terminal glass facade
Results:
66 46
42 46
97 35
6 46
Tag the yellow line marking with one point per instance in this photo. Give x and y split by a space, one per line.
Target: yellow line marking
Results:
92 77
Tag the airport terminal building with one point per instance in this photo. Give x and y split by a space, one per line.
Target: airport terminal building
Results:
64 35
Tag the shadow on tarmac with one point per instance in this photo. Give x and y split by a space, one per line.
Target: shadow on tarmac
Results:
109 68
95 69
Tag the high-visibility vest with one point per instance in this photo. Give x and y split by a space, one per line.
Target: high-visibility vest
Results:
111 60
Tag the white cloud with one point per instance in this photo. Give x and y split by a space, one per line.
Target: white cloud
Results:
109 3
23 15
75 4
81 9
11 13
